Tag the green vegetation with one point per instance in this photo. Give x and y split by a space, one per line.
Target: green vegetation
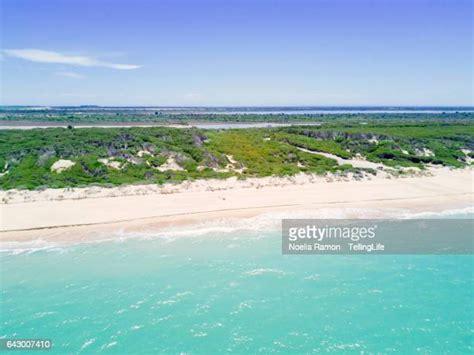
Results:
131 115
307 140
115 156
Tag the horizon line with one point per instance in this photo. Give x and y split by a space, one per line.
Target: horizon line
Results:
244 106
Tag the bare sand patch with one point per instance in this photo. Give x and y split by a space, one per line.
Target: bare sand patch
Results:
170 164
62 165
111 163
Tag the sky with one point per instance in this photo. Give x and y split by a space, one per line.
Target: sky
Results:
236 53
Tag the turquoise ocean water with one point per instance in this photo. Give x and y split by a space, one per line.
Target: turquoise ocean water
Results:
233 291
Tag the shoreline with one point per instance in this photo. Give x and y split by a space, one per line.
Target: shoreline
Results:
87 212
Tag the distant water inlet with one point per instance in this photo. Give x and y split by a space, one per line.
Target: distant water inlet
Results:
233 291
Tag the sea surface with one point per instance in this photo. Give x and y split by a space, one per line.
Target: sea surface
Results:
225 289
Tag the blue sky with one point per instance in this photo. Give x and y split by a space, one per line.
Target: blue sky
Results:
228 52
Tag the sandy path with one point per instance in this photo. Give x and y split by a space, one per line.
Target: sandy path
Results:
356 163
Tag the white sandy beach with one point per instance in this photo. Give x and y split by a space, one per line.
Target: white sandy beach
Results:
74 213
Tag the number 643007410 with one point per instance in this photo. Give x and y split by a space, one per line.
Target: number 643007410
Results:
26 344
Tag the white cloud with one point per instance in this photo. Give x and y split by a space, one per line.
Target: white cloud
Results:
69 74
41 56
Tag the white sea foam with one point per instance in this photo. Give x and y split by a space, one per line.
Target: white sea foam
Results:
87 343
28 247
262 271
269 222
266 222
109 345
461 212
